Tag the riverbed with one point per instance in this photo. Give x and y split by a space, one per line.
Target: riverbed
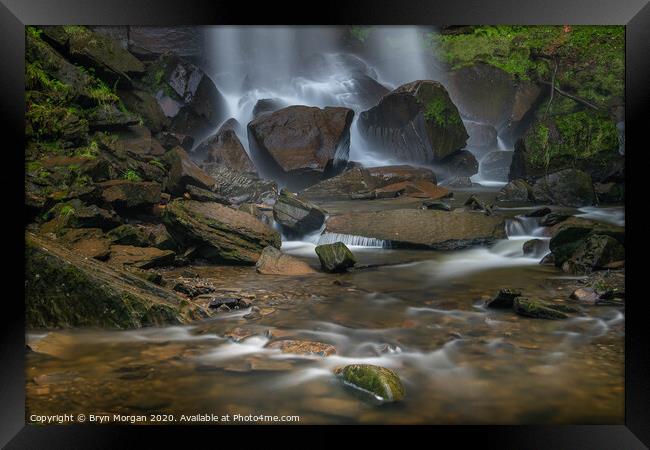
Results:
418 312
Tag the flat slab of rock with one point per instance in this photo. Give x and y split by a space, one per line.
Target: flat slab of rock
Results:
297 215
141 257
224 148
274 262
417 228
66 289
130 194
218 233
303 347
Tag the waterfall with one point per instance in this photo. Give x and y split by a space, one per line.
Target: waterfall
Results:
352 240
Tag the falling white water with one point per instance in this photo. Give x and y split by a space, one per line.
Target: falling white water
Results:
351 240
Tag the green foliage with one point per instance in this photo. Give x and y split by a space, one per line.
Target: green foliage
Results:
66 211
101 93
158 163
572 140
591 59
37 79
360 33
131 175
33 32
76 31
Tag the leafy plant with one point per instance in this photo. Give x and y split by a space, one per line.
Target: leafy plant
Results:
131 175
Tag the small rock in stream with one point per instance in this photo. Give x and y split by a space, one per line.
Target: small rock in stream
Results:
230 302
539 309
504 299
382 383
335 257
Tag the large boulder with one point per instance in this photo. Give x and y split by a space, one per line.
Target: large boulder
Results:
297 216
300 145
417 122
268 105
90 49
241 187
583 140
335 257
593 253
273 262
148 42
183 172
125 194
570 234
218 233
66 289
417 228
482 136
568 187
224 148
496 166
358 180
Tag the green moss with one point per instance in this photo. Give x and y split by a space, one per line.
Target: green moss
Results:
76 30
438 110
131 175
66 211
379 381
158 163
360 33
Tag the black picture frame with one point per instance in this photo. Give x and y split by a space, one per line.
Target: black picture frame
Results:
15 14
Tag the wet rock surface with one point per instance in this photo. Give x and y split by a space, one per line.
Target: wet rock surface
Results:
335 257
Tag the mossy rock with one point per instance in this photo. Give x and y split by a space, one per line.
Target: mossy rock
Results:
594 252
539 309
583 140
382 383
335 257
569 234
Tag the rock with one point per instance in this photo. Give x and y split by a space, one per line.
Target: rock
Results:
242 187
193 287
437 205
141 257
417 228
229 302
184 172
495 166
552 219
357 180
584 140
107 117
218 233
539 212
335 257
274 262
296 215
90 49
548 259
149 235
259 211
568 235
89 242
146 106
79 215
268 105
64 289
203 195
504 299
300 145
459 164
568 187
585 295
482 136
184 41
534 247
130 145
457 182
186 95
378 381
225 149
595 252
170 140
537 309
483 93
417 189
474 203
303 347
124 194
610 192
515 191
417 122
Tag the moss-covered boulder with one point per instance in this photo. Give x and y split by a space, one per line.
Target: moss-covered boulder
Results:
515 191
569 234
416 122
95 50
594 252
335 257
568 187
65 289
504 298
539 309
218 233
295 215
583 140
380 382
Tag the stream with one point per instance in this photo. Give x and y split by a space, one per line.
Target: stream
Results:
417 312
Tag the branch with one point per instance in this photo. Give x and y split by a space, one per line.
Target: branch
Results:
573 97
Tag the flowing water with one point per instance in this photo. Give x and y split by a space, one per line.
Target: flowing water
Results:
419 313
